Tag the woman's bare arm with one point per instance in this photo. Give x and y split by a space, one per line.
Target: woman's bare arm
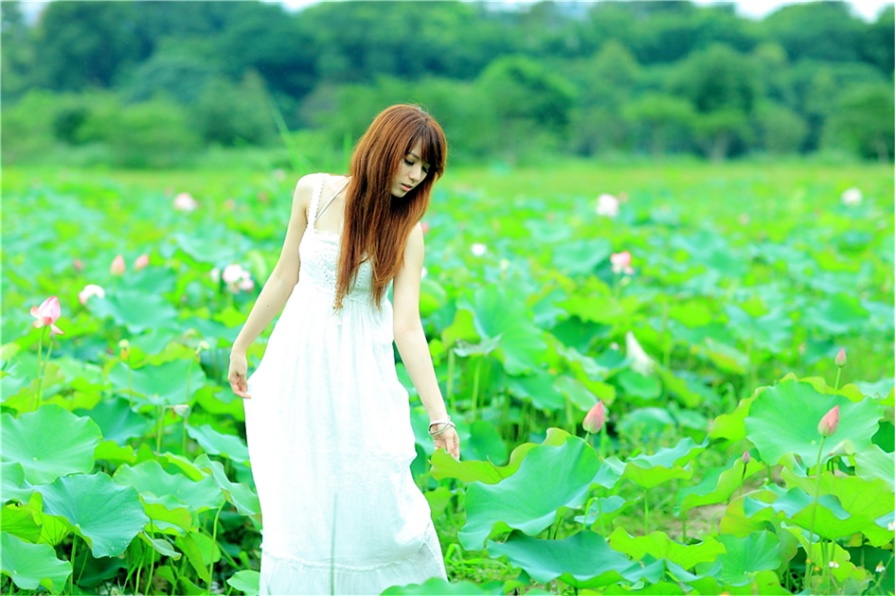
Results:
276 290
411 340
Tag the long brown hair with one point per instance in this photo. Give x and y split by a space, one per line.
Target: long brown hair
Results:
376 224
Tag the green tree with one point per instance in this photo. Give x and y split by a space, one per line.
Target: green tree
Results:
878 42
816 30
231 115
780 130
863 122
661 121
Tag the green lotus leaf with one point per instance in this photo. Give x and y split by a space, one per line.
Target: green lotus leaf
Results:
539 389
642 424
241 496
874 463
113 453
576 392
164 384
155 485
638 386
582 560
445 466
200 551
437 587
166 517
496 313
660 546
117 420
717 485
14 486
863 500
744 557
836 315
49 443
665 464
724 356
247 581
485 443
217 443
548 478
107 516
31 566
135 310
679 387
784 418
20 521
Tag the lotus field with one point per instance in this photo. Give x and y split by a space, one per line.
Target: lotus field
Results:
667 380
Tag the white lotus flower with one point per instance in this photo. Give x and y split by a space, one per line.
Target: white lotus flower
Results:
640 362
478 249
852 196
607 205
185 202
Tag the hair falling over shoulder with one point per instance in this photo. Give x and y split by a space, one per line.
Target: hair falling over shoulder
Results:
376 224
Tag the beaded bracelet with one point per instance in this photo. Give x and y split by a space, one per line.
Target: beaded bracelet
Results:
447 424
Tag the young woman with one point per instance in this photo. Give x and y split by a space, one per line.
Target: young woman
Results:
328 422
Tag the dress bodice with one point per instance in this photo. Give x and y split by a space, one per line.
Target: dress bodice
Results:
319 255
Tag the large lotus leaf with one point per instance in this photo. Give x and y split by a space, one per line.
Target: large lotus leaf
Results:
14 485
32 565
784 418
765 583
247 581
717 485
155 485
839 566
135 310
241 496
665 464
679 387
164 384
107 516
744 557
641 424
169 521
19 521
217 443
583 560
581 257
445 466
485 443
837 315
438 587
637 386
538 388
49 443
660 546
874 463
549 478
724 356
117 420
497 313
863 500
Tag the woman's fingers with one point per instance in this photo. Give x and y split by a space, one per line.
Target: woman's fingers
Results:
239 386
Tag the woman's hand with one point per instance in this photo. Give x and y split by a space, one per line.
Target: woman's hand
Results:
449 441
237 374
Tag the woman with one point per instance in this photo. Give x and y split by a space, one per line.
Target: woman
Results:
328 427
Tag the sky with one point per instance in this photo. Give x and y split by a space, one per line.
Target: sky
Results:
867 9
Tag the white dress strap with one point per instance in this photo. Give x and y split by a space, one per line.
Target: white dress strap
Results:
331 199
315 200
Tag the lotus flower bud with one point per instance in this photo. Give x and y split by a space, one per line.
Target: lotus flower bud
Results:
747 457
829 423
841 358
118 266
124 348
595 418
182 410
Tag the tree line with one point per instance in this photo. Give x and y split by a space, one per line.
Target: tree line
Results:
142 81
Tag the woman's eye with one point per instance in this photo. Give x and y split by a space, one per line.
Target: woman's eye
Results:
408 162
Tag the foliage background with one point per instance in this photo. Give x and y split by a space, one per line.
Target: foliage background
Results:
157 84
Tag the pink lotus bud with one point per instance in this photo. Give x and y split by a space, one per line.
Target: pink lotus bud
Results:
118 266
425 226
78 265
747 457
829 423
47 314
142 262
89 291
595 418
841 358
621 262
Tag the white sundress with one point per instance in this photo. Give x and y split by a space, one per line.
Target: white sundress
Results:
330 441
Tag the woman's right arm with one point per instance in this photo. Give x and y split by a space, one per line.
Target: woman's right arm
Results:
275 292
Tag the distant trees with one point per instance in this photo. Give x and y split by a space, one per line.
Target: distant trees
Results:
588 79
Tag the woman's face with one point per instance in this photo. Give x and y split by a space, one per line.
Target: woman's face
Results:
411 172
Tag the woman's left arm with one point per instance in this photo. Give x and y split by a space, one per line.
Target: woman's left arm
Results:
411 341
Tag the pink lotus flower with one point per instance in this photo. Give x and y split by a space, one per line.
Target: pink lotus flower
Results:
47 314
621 262
595 418
237 279
829 423
185 202
142 262
118 266
89 291
78 265
607 205
841 358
